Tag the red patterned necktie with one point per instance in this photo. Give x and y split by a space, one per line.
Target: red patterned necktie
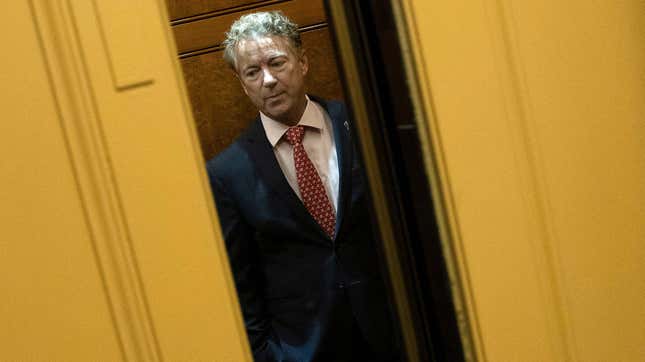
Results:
312 191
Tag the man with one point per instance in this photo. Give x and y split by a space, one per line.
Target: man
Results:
290 198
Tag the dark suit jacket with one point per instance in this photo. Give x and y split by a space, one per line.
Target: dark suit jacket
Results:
301 293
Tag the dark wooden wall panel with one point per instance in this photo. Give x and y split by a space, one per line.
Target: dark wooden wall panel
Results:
210 32
178 9
220 107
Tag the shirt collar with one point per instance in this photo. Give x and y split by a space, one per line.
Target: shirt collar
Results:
275 130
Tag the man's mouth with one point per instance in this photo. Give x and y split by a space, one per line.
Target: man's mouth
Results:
273 96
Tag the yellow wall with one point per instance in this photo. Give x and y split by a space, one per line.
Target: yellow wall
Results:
110 251
535 112
51 295
109 248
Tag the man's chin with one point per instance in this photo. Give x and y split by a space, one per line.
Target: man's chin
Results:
276 113
276 104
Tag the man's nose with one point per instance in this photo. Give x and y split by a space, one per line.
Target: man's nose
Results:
268 78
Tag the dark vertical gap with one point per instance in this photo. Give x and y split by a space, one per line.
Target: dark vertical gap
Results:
378 53
360 47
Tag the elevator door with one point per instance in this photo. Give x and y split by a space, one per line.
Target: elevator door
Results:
110 248
536 116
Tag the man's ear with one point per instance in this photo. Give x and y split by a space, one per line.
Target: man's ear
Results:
304 62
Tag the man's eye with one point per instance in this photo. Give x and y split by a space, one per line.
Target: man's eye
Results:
251 73
278 63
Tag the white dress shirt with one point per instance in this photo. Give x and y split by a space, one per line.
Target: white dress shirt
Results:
318 142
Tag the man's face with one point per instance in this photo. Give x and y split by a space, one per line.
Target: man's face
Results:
272 75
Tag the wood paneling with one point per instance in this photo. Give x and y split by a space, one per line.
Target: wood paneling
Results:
210 32
178 9
220 107
222 110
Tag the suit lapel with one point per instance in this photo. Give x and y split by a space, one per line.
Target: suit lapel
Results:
267 165
344 152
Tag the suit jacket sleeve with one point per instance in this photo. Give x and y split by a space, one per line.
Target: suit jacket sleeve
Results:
244 261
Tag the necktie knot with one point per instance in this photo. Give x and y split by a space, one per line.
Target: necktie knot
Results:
295 135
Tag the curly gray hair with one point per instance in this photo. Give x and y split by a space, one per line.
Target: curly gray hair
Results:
260 24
